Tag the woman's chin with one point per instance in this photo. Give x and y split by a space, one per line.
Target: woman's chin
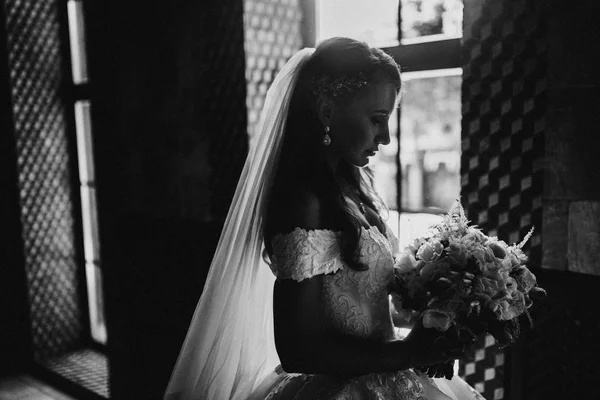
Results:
359 161
361 164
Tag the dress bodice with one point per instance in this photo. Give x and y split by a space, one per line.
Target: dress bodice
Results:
356 302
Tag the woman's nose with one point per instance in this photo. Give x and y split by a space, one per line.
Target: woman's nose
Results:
384 136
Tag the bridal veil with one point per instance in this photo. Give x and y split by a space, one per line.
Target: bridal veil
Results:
229 348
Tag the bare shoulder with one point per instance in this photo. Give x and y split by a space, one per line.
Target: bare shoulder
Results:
295 207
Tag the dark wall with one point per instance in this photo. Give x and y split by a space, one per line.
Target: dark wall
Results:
559 356
571 191
169 118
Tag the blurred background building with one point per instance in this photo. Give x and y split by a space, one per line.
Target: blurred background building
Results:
124 128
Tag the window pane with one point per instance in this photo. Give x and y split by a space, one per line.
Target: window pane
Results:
83 127
431 19
430 143
96 302
385 172
374 21
77 41
385 167
89 216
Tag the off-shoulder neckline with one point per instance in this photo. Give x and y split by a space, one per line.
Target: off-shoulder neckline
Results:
371 228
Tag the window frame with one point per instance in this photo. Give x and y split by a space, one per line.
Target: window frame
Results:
437 52
79 90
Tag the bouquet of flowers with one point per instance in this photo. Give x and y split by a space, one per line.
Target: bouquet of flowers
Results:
463 282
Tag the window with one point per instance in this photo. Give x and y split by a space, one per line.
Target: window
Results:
426 20
374 21
83 128
430 140
418 174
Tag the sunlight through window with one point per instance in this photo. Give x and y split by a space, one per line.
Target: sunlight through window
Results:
374 21
426 20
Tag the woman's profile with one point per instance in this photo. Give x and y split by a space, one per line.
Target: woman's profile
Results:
296 304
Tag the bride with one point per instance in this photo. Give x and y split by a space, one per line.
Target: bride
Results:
318 324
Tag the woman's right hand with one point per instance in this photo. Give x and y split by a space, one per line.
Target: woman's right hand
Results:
428 347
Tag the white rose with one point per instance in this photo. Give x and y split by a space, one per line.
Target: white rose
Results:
406 263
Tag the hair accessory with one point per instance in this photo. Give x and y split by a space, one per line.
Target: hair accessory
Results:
339 86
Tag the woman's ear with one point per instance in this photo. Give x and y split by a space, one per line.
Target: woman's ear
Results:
324 109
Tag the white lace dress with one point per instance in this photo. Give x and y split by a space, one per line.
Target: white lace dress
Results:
357 303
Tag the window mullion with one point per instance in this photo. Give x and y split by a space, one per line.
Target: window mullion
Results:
431 55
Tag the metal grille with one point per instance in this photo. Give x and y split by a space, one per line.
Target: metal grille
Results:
504 87
86 368
484 368
273 35
36 77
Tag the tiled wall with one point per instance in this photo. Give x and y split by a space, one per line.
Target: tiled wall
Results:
504 51
531 112
272 35
44 158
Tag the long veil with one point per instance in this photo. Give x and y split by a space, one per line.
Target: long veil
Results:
229 348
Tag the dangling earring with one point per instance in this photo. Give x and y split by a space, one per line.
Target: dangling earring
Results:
326 137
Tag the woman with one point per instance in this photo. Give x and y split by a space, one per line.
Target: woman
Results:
304 195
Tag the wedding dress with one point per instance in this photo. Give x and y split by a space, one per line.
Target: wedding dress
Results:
229 351
357 304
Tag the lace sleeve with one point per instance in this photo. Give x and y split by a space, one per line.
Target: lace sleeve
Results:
302 254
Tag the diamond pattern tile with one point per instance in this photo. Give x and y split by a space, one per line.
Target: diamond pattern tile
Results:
503 94
273 35
39 112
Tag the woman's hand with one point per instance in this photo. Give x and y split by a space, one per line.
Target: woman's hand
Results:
430 347
401 317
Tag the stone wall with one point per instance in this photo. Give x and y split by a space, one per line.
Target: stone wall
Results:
572 173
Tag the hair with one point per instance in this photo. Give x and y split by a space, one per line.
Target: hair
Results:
333 59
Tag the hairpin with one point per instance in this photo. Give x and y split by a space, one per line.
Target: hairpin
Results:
340 85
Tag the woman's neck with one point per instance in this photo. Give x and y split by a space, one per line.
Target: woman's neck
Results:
333 161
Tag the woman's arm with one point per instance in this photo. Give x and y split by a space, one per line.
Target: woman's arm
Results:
302 337
305 343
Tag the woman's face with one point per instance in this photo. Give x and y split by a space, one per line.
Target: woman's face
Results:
360 125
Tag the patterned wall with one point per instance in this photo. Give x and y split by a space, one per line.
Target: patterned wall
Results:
504 104
273 35
36 78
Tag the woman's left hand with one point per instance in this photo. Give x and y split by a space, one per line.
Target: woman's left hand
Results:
446 370
402 317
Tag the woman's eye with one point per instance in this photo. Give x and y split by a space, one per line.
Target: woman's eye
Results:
377 121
